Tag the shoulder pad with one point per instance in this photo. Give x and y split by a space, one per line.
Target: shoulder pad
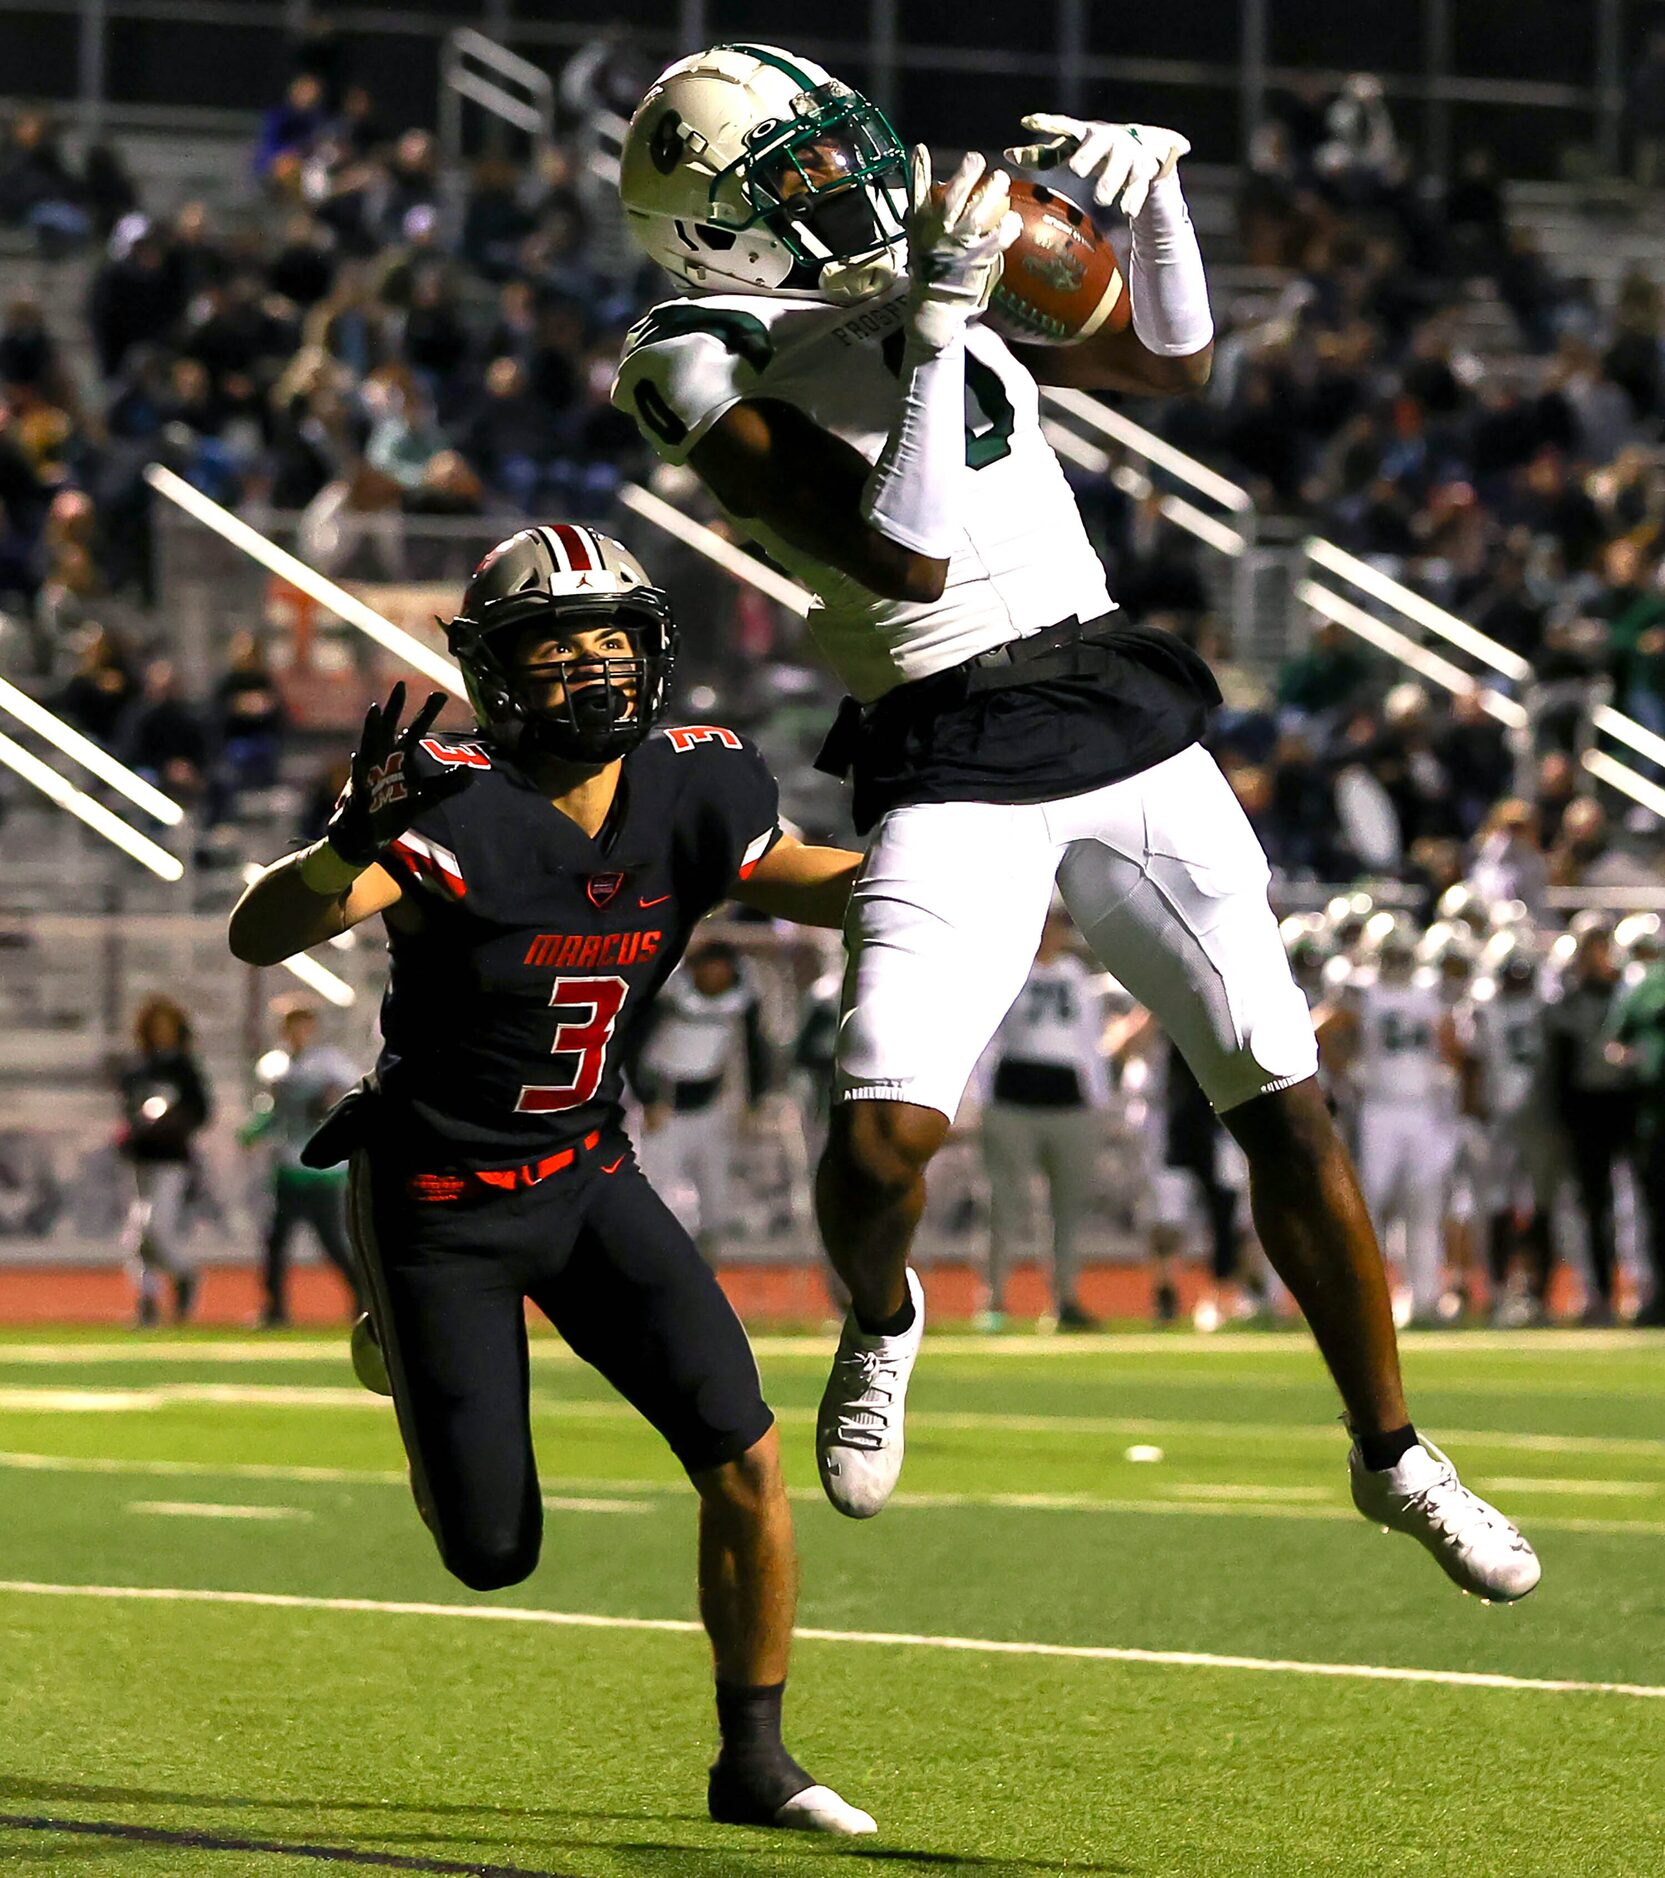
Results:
685 363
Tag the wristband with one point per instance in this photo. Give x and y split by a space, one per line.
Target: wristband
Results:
323 871
1165 277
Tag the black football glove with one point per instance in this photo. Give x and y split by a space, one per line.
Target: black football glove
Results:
385 794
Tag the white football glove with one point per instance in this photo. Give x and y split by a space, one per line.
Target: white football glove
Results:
955 244
1124 159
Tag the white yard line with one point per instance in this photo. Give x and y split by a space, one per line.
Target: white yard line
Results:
231 1470
816 1347
579 1503
1201 1499
26 1397
1544 1483
1096 1653
1233 1491
215 1509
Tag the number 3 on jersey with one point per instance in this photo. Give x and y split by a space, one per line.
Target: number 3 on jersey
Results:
597 1002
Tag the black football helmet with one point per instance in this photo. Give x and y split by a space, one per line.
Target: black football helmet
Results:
564 578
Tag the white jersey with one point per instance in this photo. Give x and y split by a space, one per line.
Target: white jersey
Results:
693 1035
1399 1059
1023 561
1057 1022
1506 1035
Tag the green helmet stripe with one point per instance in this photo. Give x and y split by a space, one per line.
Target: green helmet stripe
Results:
767 57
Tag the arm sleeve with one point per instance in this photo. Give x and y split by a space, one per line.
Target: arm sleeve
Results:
676 383
910 496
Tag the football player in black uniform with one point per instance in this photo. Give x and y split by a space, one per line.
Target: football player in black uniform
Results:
539 879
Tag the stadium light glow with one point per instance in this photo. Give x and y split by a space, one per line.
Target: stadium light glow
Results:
98 818
321 979
1621 776
308 970
1152 448
1096 462
1627 730
89 755
1401 646
1414 607
723 553
286 566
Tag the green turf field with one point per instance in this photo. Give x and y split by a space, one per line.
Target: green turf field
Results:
321 1730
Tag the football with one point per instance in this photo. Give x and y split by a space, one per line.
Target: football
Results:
1060 282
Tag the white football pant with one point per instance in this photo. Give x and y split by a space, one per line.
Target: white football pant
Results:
1406 1159
686 1160
1163 876
154 1235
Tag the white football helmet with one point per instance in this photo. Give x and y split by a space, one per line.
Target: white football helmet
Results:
1389 942
747 169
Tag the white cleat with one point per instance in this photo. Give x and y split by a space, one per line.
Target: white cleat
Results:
1476 1546
858 1434
819 1809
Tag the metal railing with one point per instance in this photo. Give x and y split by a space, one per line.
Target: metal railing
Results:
1489 653
1216 511
513 89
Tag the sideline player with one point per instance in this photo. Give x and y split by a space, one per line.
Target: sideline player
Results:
303 1082
708 1013
1526 1157
531 918
1048 1089
1393 1033
828 377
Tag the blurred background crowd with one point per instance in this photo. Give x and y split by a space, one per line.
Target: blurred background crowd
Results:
377 338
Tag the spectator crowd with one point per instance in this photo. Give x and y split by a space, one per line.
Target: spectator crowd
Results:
379 338
362 337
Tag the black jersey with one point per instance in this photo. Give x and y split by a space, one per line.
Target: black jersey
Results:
510 1008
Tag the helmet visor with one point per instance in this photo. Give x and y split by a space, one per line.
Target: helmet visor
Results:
829 182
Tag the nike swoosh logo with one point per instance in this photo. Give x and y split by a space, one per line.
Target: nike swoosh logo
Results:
659 902
615 1167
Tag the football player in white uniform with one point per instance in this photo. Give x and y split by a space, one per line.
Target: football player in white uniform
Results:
1398 1040
827 375
1526 1161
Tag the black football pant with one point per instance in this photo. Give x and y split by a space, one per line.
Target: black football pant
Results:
1600 1131
601 1255
1201 1160
322 1205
